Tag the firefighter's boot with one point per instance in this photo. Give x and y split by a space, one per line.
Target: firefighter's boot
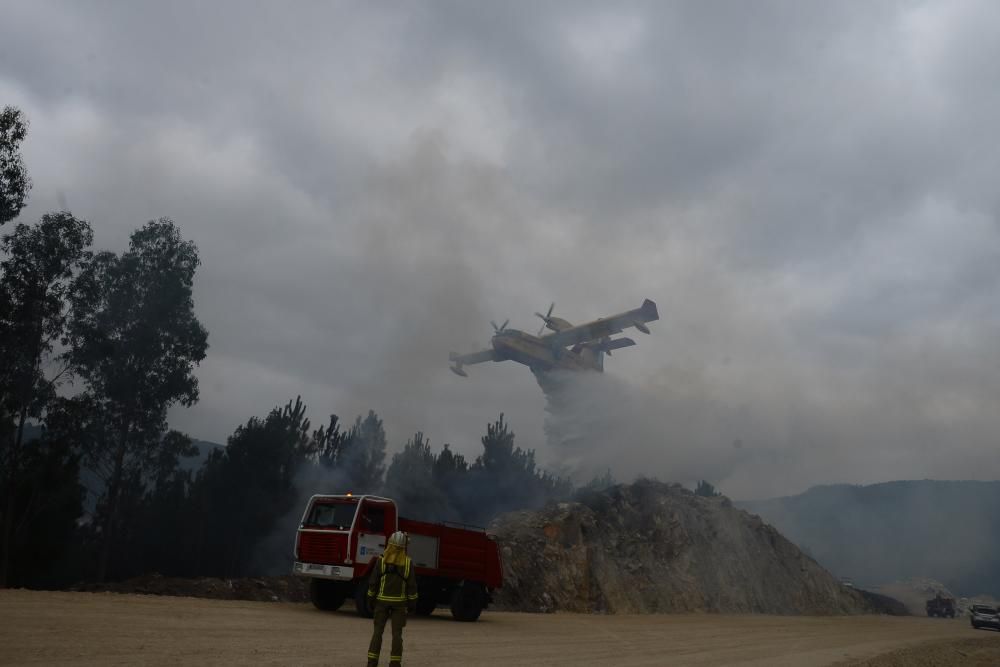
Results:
372 663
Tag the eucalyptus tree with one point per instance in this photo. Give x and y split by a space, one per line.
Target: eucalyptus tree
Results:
14 180
135 339
37 275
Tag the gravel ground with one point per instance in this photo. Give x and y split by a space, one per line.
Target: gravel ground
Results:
972 652
116 629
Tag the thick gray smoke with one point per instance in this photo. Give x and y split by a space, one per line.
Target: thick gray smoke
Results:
274 554
598 422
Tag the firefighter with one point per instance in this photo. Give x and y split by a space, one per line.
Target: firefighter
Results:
392 588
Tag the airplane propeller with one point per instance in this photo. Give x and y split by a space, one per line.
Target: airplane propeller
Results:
545 317
498 329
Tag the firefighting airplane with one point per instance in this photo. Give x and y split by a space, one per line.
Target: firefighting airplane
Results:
569 347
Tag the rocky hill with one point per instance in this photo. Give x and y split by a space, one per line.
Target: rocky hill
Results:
653 547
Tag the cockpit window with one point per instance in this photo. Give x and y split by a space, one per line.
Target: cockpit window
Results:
332 515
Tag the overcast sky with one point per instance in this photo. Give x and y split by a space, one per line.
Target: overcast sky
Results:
808 190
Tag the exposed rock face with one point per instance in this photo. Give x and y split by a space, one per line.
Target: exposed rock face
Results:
652 547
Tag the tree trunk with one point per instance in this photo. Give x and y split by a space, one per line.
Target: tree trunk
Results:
114 492
8 515
27 390
8 531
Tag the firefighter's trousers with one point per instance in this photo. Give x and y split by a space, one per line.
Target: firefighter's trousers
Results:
383 613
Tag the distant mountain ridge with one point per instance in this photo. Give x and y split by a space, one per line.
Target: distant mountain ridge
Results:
881 533
205 449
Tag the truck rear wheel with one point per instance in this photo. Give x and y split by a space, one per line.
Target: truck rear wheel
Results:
361 602
467 602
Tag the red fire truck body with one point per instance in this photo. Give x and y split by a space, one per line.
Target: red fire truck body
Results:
340 536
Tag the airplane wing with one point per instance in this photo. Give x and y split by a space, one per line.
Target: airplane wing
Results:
606 326
474 357
460 360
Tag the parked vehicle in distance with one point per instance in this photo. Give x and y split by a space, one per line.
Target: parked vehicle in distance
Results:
984 616
940 606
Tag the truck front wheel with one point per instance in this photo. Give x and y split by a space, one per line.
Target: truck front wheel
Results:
327 595
467 602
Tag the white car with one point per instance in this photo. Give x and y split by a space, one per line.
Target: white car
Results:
984 616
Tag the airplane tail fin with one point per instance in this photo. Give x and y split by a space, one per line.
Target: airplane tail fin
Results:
648 310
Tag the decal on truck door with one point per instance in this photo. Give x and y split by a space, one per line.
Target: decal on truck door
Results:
370 546
371 537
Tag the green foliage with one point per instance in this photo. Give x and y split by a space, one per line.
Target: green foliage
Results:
14 180
244 490
36 280
331 443
445 487
499 457
362 458
706 490
47 501
504 478
135 339
599 482
134 333
450 474
410 480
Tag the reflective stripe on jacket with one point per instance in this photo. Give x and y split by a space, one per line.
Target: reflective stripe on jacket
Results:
392 583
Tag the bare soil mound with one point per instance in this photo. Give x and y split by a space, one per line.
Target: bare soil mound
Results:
653 547
260 589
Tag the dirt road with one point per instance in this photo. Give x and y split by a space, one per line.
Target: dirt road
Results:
107 628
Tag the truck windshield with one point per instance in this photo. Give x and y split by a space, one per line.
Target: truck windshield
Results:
332 515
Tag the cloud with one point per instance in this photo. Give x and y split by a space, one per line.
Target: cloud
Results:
808 192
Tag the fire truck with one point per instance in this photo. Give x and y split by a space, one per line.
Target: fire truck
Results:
340 536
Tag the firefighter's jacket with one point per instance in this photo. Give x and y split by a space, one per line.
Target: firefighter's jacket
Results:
393 584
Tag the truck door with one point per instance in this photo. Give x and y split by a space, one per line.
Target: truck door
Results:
375 523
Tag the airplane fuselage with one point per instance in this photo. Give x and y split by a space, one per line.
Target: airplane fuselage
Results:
539 356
